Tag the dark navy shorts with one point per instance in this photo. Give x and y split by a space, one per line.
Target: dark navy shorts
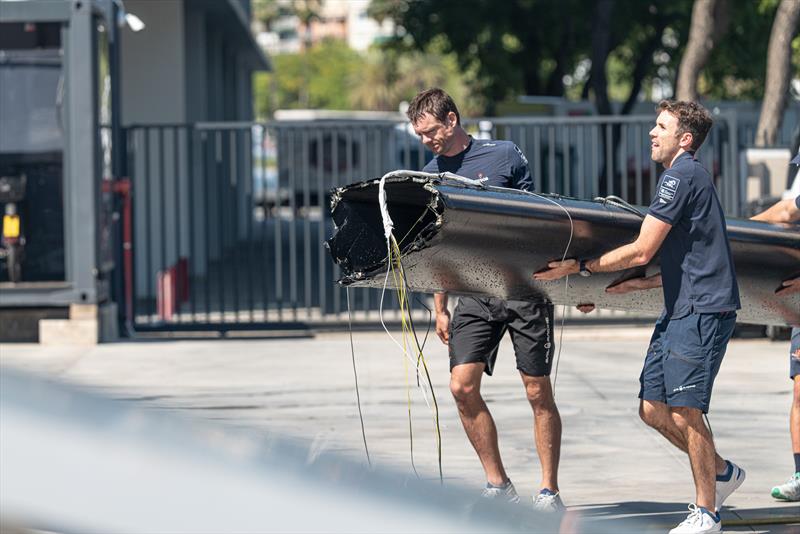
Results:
479 324
684 357
794 354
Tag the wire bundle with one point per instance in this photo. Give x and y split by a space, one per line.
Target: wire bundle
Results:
409 344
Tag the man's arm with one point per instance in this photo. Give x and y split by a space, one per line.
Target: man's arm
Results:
640 252
635 284
442 317
520 171
785 211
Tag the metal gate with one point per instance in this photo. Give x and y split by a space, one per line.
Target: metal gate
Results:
227 220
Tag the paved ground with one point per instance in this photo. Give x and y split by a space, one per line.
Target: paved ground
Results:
612 464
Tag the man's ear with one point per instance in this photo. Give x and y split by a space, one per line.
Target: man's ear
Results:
685 141
452 120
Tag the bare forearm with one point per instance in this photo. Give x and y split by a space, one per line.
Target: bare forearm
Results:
784 211
440 302
620 258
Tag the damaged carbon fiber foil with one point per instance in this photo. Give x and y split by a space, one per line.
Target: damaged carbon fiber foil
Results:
471 240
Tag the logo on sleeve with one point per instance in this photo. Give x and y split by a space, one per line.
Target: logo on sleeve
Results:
521 155
669 186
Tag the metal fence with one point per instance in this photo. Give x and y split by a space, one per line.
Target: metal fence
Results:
229 219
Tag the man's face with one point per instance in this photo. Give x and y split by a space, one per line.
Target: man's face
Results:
664 138
435 135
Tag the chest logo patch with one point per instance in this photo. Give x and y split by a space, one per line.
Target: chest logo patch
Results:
669 186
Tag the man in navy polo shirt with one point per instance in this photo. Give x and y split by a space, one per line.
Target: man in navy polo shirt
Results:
478 324
788 211
686 225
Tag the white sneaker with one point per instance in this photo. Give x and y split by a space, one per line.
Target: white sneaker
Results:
697 523
548 502
507 493
725 488
790 491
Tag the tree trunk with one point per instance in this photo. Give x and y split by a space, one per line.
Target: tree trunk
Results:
643 63
778 72
601 47
709 22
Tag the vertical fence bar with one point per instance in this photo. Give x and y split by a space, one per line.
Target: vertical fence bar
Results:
653 177
219 175
565 166
609 159
190 168
279 136
162 220
131 138
639 149
537 160
596 167
335 182
293 226
208 156
623 160
364 152
307 221
249 207
232 202
580 161
321 204
265 221
551 156
176 172
738 183
148 240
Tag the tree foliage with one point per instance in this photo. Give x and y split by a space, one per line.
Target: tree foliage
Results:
330 75
547 47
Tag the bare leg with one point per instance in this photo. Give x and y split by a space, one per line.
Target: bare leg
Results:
546 427
657 415
794 417
689 422
465 385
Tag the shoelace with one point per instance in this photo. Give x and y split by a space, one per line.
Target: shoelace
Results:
695 515
491 492
546 498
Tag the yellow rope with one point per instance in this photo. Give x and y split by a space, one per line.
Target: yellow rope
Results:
409 336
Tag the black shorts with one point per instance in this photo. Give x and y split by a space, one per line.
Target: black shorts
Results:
478 326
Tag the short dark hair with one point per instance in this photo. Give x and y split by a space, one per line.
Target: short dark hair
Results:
692 118
434 101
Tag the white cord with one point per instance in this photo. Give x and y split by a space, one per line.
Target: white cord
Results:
388 226
566 278
420 383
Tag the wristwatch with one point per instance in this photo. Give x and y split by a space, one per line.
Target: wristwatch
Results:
584 271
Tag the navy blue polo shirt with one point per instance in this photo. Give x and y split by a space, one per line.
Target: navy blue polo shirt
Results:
496 163
696 263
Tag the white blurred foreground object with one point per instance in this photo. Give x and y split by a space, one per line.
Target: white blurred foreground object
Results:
70 461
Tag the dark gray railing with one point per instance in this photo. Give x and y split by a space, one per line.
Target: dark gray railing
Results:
229 218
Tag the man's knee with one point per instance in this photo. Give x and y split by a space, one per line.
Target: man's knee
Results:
464 390
685 417
654 415
539 392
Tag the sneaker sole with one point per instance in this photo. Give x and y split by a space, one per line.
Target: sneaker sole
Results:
776 494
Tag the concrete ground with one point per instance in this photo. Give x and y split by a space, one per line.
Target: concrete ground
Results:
612 465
